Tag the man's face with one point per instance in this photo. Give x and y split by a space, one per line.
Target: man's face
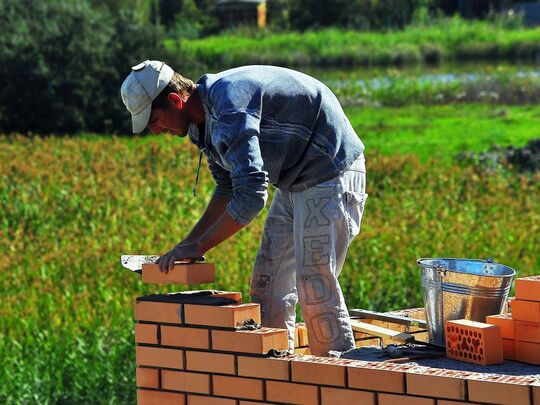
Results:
173 119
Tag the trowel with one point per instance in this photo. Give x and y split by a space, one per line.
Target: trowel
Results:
135 262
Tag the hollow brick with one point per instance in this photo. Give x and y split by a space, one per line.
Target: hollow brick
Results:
238 387
473 342
147 397
226 316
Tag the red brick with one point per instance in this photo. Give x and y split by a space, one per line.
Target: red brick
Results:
527 352
146 333
392 399
376 379
226 316
238 387
292 393
210 362
528 288
183 381
339 396
202 400
437 384
160 357
505 322
448 402
163 312
473 342
258 341
525 310
268 368
146 397
147 377
319 370
527 331
496 391
185 274
509 349
185 337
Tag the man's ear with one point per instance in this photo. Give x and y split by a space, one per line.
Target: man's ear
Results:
176 100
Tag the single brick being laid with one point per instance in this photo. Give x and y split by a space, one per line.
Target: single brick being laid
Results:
505 322
473 342
184 274
528 288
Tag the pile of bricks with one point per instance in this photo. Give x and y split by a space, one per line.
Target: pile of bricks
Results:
520 330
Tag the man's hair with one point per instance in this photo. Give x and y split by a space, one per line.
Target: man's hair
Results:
178 84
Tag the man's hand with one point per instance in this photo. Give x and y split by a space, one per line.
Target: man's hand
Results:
185 251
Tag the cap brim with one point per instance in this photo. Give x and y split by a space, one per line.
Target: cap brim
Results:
140 120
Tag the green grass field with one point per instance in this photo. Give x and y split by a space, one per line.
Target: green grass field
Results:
446 39
71 206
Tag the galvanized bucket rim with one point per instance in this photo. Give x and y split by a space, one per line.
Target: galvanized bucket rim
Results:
423 265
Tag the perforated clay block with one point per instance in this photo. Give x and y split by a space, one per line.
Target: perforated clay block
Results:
473 342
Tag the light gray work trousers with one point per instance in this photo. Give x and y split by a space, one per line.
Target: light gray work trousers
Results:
303 248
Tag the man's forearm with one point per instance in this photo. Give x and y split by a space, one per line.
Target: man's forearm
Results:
216 208
221 230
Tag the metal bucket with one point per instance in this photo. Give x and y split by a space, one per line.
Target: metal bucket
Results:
462 289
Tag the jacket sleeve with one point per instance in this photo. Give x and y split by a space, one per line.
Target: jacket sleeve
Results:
236 138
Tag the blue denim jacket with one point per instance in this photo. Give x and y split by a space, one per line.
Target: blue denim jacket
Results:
267 124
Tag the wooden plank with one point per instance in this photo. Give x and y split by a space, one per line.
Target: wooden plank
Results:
380 332
390 318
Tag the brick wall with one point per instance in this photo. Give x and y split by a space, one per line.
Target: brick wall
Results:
205 349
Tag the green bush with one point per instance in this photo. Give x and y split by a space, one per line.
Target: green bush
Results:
63 63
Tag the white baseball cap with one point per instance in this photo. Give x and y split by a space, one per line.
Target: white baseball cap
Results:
141 87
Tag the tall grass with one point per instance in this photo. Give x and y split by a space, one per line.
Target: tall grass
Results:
447 39
70 207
